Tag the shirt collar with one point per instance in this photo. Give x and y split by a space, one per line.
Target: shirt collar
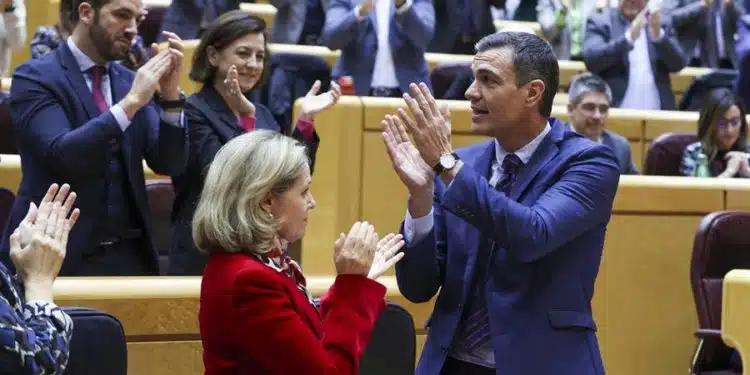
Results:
525 152
84 61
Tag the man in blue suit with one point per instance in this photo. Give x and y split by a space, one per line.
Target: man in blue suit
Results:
82 119
510 231
382 43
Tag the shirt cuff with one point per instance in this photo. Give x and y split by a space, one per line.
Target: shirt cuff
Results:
306 128
416 230
172 118
660 37
404 7
247 123
120 116
356 14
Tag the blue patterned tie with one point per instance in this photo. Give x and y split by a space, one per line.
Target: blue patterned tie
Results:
477 331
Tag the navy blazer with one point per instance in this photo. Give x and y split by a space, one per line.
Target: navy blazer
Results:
211 124
450 21
408 35
546 241
185 17
63 138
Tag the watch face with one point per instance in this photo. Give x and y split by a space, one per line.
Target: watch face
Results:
447 161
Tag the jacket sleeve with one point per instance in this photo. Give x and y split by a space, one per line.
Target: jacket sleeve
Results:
580 200
417 22
669 50
166 145
43 130
601 50
274 329
684 15
340 27
34 338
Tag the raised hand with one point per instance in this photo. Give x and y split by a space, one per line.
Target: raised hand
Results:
170 80
431 130
146 82
353 254
405 158
386 255
232 93
314 103
38 262
654 23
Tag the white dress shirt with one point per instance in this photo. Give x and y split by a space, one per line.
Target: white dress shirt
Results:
12 35
416 229
384 73
641 92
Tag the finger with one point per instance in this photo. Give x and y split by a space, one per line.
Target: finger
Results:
415 110
52 220
44 210
68 205
62 194
30 214
170 35
383 241
420 99
154 50
176 44
351 237
403 118
390 146
393 260
315 88
429 99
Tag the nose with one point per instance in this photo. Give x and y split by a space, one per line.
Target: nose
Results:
312 202
254 62
471 92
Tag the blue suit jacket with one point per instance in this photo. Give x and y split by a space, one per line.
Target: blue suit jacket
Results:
546 243
63 139
185 17
409 34
742 46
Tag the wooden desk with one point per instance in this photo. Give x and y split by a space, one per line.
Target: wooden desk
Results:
735 305
533 26
160 316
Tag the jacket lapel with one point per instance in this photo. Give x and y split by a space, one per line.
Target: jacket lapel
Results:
220 115
620 27
543 154
75 78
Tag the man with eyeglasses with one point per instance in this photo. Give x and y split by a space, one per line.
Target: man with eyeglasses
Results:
588 107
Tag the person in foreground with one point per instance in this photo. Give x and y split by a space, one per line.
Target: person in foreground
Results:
35 333
256 315
509 230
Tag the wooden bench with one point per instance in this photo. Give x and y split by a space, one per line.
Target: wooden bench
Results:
735 305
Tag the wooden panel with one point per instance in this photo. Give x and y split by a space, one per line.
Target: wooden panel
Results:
421 339
737 194
165 358
534 27
637 154
10 172
336 183
656 194
660 122
650 313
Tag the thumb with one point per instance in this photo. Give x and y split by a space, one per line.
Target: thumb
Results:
339 244
154 49
315 88
15 245
31 215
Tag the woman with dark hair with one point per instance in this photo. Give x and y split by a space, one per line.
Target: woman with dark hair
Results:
231 59
722 138
47 38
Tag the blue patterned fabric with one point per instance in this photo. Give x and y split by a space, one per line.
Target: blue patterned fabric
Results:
34 336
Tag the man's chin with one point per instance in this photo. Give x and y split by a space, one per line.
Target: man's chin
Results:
481 128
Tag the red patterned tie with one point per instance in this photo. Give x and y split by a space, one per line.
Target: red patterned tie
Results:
96 88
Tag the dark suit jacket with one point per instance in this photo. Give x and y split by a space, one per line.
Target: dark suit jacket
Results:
211 124
409 34
694 24
542 246
255 320
450 22
742 84
621 147
184 17
63 139
605 52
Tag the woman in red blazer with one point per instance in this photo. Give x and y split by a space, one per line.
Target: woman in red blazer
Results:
256 315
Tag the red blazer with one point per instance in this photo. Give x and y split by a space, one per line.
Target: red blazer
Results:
255 320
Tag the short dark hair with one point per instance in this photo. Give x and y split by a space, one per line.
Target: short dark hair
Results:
533 58
222 32
586 83
95 4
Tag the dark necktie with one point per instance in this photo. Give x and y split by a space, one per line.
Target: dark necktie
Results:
477 331
97 72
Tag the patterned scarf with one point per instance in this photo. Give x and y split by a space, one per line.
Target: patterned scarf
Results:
281 262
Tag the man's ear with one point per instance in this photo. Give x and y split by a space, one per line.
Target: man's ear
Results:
535 90
86 13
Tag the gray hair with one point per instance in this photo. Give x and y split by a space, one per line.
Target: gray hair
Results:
229 216
586 83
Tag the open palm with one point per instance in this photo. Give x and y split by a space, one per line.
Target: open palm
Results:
407 162
314 103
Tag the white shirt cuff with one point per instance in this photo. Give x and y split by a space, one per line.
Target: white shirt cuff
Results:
404 7
356 14
120 116
172 118
416 230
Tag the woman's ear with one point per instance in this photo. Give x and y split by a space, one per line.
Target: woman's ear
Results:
267 204
213 56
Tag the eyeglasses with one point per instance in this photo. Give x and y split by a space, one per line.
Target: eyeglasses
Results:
734 123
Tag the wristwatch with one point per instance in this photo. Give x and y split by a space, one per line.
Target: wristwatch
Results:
170 104
446 162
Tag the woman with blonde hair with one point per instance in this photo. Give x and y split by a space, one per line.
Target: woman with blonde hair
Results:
256 315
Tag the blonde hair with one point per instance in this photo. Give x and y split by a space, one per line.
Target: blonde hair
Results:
244 172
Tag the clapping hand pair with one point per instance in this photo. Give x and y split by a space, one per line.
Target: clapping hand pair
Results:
362 253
